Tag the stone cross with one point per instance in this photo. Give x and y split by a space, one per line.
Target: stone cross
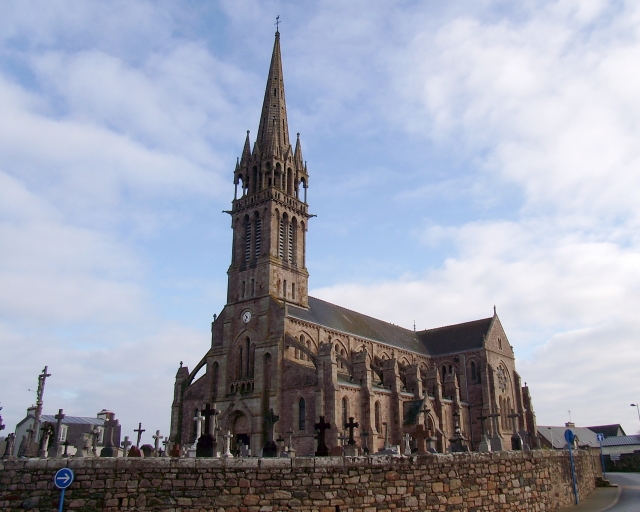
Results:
109 449
8 452
139 430
365 447
94 441
407 445
343 438
125 446
290 432
351 425
198 419
156 439
56 440
482 419
210 414
271 421
496 440
280 442
386 435
165 443
227 444
31 446
321 426
425 410
420 435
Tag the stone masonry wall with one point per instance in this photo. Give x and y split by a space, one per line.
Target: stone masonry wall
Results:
507 481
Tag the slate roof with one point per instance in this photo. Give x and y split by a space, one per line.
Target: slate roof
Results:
621 441
608 430
584 435
455 338
443 340
70 420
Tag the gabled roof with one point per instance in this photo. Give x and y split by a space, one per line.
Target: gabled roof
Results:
608 430
341 319
443 340
584 435
455 338
73 420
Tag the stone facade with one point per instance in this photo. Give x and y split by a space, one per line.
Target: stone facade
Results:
536 481
273 347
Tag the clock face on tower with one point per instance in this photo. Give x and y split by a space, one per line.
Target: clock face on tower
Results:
246 317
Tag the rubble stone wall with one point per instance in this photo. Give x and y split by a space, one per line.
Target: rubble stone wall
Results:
537 481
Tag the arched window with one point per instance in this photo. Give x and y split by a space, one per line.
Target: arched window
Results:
258 234
215 371
444 372
345 411
377 423
267 371
473 372
308 347
247 239
302 414
239 366
248 363
450 369
281 236
290 244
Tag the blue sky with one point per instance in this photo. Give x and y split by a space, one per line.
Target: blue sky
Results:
460 156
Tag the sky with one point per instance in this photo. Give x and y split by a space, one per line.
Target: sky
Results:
461 155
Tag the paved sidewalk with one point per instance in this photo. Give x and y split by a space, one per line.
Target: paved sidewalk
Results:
600 499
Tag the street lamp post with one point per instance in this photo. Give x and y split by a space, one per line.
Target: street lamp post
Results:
637 409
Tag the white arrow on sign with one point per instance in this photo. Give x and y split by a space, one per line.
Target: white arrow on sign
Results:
64 477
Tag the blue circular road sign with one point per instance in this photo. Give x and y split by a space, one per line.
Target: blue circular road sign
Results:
569 436
63 478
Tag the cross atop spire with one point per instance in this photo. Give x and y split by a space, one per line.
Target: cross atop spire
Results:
277 24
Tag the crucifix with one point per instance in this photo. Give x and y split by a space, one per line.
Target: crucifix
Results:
56 440
125 446
277 23
321 426
140 430
32 447
290 432
209 415
407 444
199 419
157 438
351 425
94 441
165 443
365 448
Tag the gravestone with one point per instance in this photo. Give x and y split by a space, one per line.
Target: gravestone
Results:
365 444
109 449
206 446
139 430
227 445
8 452
516 440
125 446
83 444
321 427
421 435
56 450
147 450
407 445
156 440
351 450
485 445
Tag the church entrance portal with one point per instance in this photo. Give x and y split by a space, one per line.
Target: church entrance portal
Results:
241 430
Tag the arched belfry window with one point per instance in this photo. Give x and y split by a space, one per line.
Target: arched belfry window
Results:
474 376
282 235
258 234
377 421
302 414
444 372
247 239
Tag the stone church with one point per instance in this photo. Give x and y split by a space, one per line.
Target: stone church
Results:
275 348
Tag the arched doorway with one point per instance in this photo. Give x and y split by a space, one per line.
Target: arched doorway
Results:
241 431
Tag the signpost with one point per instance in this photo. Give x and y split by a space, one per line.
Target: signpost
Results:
63 479
600 438
569 437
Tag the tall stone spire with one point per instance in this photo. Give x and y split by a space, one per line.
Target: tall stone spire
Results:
274 127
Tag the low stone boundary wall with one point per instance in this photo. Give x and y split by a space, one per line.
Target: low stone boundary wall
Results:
537 481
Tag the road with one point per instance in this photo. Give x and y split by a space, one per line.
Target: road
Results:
630 496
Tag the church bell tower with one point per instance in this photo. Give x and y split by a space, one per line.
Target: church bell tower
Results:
269 215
